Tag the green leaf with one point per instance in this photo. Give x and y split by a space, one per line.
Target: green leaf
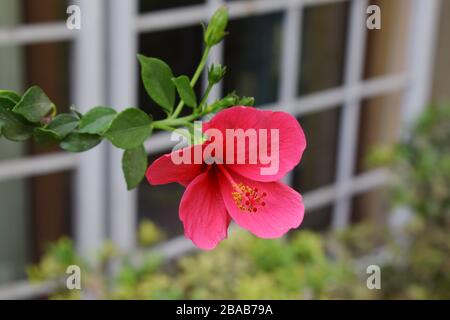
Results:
157 78
2 123
45 137
63 124
14 128
129 129
34 105
76 112
134 165
97 120
17 132
8 99
185 91
79 142
10 95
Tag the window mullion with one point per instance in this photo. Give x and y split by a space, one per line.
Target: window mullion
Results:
88 71
290 61
348 135
123 75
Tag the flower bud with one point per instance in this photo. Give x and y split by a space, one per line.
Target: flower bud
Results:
246 101
215 32
228 101
216 73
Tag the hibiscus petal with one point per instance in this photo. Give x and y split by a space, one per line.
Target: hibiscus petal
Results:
203 212
267 209
163 170
292 141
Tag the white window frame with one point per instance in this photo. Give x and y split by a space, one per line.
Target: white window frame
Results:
101 198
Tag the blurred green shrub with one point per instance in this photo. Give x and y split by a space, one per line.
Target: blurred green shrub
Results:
246 267
422 166
243 267
422 272
58 256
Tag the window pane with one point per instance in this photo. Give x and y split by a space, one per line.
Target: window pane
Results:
15 250
15 12
252 54
180 48
44 10
386 48
48 66
45 65
323 47
372 207
317 219
29 220
379 124
317 167
152 5
11 77
160 204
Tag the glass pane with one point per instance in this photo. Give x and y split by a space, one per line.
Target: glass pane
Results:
44 10
51 219
15 12
317 167
252 55
15 249
371 207
152 5
12 78
379 124
160 205
29 221
386 48
180 48
323 47
317 219
46 65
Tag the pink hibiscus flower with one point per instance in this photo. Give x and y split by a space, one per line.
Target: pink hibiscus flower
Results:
218 193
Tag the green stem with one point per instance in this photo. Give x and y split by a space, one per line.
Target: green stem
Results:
201 66
169 128
194 80
180 122
169 122
205 97
164 127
